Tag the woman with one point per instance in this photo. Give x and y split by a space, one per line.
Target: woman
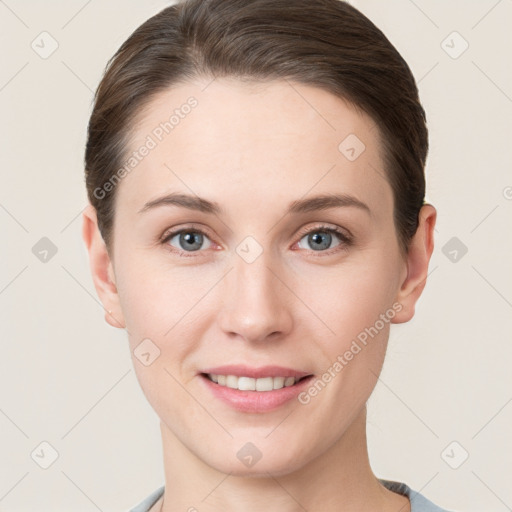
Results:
255 172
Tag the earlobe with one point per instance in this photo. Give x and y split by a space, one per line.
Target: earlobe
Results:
101 268
418 258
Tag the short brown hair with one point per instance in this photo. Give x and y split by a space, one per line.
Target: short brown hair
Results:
324 43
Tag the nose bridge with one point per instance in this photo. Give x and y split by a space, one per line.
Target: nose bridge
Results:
255 304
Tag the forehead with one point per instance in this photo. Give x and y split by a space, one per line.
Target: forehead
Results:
248 142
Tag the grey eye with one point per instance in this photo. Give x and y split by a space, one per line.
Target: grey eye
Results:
319 239
189 241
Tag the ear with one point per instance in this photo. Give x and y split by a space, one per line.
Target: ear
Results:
101 268
417 259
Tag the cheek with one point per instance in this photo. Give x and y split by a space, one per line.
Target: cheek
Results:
160 309
161 305
156 299
349 300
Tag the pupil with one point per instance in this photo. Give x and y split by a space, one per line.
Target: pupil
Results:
317 239
190 239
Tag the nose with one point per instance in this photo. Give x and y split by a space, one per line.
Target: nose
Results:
256 302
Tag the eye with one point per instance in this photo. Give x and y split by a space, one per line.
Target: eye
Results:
320 238
188 240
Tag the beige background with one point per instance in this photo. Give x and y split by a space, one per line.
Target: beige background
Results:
66 377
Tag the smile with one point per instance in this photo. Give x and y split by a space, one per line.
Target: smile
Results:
252 389
243 383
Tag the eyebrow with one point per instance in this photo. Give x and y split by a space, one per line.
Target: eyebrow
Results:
315 203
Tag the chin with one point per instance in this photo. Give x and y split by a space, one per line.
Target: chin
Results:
239 462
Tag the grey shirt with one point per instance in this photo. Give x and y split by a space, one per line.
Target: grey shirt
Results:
418 502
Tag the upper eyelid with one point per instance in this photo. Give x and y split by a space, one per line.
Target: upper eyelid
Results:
326 227
173 232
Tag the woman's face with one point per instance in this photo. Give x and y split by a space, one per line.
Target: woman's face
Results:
256 281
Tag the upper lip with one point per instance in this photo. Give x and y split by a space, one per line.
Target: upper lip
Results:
256 373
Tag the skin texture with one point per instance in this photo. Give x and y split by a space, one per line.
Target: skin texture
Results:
254 148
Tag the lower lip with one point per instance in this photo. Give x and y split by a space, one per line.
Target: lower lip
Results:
256 401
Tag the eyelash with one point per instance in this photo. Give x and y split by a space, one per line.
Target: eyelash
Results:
346 240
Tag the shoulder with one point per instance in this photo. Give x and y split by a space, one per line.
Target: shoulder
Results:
147 503
419 503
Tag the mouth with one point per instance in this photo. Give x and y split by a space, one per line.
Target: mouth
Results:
246 383
254 390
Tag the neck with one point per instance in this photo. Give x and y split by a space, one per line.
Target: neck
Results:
340 476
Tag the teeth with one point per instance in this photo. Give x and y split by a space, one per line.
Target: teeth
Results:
250 384
278 382
264 384
232 381
289 381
